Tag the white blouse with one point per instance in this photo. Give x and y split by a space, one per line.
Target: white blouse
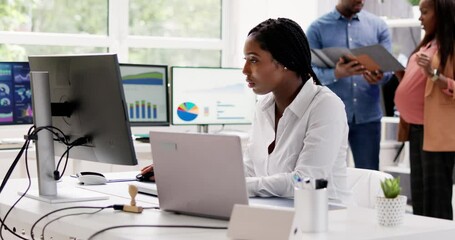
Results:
311 141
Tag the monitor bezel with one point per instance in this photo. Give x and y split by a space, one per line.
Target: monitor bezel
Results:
166 79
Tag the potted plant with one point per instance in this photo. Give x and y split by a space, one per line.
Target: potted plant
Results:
415 8
414 2
391 206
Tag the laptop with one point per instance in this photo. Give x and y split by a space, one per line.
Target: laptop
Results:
198 174
202 175
149 188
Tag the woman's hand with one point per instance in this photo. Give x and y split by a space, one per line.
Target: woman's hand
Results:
147 169
424 61
148 172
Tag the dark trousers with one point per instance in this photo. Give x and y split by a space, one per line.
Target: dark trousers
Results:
364 140
416 164
431 178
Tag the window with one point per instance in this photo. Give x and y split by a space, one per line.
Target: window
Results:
178 57
175 18
55 16
10 52
170 32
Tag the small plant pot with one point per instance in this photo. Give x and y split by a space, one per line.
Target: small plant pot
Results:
390 211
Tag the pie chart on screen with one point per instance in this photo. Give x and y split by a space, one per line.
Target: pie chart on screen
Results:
187 111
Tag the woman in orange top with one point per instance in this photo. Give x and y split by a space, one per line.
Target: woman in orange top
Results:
425 99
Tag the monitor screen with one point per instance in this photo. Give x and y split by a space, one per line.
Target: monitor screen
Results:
205 96
15 93
146 94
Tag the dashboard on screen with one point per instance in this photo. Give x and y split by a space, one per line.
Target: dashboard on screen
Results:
205 96
15 93
146 94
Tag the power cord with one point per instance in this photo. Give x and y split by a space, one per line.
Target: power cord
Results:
68 215
16 160
99 209
78 142
58 136
154 226
63 209
8 175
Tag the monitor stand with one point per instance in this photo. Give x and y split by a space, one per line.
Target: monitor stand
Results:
203 128
45 157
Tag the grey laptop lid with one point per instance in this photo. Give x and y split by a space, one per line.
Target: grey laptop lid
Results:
198 174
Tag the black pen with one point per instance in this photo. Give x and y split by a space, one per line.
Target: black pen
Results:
321 183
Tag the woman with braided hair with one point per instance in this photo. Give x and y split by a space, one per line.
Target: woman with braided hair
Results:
300 128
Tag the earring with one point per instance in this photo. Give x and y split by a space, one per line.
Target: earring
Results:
285 68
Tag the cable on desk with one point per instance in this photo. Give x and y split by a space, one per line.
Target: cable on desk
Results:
6 178
16 160
32 135
117 207
67 215
63 209
155 226
59 136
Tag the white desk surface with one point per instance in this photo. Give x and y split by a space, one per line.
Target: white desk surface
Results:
352 223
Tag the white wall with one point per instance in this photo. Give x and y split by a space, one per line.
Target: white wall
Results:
247 14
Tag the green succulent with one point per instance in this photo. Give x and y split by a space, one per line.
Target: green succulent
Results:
414 2
391 187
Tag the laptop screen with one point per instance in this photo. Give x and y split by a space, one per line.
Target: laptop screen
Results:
198 174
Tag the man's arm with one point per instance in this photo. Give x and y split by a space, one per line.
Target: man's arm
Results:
325 75
342 69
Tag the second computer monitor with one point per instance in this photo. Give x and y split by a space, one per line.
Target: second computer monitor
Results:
206 96
15 93
146 94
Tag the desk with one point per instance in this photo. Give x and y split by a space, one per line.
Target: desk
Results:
143 154
81 227
352 223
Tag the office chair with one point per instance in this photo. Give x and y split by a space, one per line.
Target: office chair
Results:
365 185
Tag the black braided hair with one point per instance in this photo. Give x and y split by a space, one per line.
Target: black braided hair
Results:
287 43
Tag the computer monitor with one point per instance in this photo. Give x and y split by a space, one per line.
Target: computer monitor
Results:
15 93
146 94
87 99
210 96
